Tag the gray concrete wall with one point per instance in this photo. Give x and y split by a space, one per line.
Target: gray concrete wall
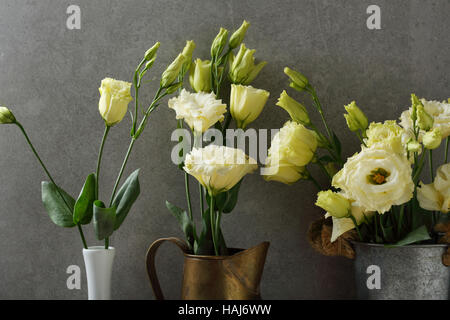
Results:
50 75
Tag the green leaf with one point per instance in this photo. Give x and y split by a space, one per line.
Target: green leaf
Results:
204 245
83 210
184 221
104 220
337 143
55 206
125 198
326 158
417 235
226 201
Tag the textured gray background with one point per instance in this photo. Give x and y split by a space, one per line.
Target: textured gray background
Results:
50 77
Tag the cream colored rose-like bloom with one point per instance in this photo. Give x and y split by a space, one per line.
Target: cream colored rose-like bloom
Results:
218 168
114 99
246 104
342 225
440 111
199 110
294 144
436 196
291 149
376 178
387 134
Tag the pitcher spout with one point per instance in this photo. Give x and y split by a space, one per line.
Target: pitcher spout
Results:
247 266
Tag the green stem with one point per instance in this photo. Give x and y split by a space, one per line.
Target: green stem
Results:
446 150
357 227
361 139
188 194
99 160
320 164
430 155
311 178
50 177
419 167
137 84
202 205
130 147
211 217
313 93
400 220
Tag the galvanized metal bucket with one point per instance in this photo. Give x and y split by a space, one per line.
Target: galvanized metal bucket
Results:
408 272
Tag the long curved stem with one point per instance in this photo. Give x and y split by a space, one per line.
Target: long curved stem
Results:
50 177
122 168
213 229
430 155
188 194
99 160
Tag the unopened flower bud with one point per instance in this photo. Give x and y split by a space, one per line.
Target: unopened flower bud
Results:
356 119
174 87
414 103
413 145
151 53
424 120
172 71
297 78
188 50
200 75
242 67
219 42
432 139
238 36
295 109
6 116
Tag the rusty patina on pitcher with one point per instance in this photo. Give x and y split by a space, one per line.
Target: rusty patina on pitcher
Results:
233 277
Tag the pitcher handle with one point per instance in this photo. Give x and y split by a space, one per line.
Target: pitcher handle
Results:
151 269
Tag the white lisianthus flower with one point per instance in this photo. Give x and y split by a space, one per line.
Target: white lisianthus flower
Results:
218 168
291 149
440 111
436 196
342 225
246 103
376 178
114 99
199 110
387 134
294 144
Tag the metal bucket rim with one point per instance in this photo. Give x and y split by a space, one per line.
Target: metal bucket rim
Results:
378 245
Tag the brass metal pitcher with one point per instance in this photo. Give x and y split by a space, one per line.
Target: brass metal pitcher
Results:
233 277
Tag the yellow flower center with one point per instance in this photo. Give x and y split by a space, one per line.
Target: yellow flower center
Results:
378 176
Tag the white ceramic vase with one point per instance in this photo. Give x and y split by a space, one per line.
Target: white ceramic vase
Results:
99 264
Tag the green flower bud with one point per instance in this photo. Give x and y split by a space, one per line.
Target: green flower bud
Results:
219 42
242 67
200 75
432 139
297 78
334 203
238 36
174 87
413 145
188 50
6 116
151 53
424 120
172 71
356 119
414 103
295 109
